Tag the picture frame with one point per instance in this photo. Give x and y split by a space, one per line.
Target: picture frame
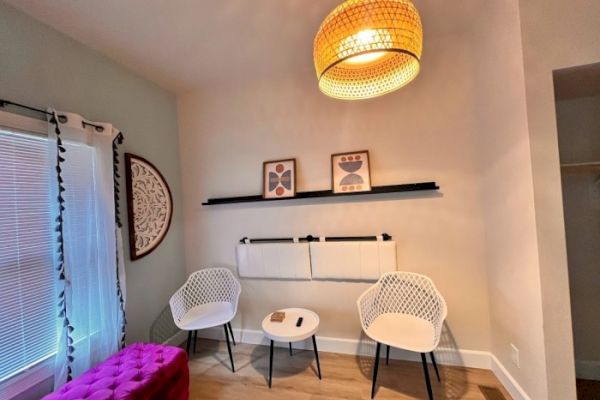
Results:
279 179
350 172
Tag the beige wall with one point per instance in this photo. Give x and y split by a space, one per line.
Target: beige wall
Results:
556 34
578 130
435 129
507 198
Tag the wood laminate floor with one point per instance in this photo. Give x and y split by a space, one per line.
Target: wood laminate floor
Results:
344 376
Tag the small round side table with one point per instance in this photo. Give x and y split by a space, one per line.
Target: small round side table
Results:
287 331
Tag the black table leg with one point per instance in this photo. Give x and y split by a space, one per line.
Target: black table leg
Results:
375 368
316 355
271 365
291 354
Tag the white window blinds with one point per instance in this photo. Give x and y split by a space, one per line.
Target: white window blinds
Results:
28 302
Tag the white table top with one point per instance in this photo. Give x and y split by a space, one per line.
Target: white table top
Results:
287 331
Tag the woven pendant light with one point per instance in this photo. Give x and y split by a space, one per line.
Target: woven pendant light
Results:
367 48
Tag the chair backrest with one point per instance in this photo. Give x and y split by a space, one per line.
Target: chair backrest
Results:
210 285
403 293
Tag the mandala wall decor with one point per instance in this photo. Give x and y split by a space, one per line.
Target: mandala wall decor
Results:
149 205
279 179
350 172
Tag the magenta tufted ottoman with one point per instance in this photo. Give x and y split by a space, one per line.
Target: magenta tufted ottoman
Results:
138 372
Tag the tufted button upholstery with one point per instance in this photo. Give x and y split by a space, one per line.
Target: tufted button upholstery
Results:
142 371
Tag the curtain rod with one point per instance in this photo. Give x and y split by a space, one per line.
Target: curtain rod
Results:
62 118
310 238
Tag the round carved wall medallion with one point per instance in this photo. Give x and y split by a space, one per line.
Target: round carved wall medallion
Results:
149 205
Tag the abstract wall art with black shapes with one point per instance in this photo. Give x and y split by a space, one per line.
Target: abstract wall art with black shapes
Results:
350 172
149 205
279 179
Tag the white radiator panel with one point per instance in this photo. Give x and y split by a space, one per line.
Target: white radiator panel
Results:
274 260
364 261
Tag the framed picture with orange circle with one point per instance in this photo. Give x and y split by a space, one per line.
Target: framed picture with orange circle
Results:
279 179
350 172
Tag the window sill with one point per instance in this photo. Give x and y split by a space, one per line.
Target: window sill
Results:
27 379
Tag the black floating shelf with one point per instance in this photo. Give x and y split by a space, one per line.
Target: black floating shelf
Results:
408 187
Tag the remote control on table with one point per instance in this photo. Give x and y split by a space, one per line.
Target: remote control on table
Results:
299 322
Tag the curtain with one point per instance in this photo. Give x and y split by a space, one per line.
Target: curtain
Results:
89 260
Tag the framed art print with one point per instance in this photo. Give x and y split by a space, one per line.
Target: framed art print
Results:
350 172
279 179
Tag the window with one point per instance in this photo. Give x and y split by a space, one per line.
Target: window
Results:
28 300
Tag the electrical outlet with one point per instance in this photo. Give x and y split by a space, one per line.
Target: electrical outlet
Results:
514 355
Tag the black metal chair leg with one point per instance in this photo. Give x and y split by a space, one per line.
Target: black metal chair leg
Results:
387 355
375 368
316 355
195 340
426 371
189 342
229 348
291 354
271 365
437 373
231 331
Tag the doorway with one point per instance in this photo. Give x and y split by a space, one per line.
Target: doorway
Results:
577 92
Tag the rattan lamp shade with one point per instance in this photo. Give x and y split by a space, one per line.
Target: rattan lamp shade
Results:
366 48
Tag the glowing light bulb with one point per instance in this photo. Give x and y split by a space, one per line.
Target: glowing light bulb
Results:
367 42
365 58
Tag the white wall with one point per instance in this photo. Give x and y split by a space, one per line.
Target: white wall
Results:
507 198
556 34
41 67
445 127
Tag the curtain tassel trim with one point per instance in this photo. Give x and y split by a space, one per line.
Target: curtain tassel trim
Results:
116 176
62 301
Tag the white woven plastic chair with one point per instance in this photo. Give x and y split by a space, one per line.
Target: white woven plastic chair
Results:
403 310
208 298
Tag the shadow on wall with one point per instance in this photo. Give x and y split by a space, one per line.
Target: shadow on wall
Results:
163 328
400 375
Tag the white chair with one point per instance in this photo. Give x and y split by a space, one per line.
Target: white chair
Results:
208 298
406 311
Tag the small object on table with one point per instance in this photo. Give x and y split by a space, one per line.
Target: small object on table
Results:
278 316
290 331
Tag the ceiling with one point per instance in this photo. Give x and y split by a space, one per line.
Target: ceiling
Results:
186 44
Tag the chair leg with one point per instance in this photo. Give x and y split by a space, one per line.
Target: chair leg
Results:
375 368
387 355
291 354
189 342
271 365
195 340
316 355
231 331
426 371
437 373
229 348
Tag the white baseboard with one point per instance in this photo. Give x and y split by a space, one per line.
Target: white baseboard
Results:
507 380
587 369
444 356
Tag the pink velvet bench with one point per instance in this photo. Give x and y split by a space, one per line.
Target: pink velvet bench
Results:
138 372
